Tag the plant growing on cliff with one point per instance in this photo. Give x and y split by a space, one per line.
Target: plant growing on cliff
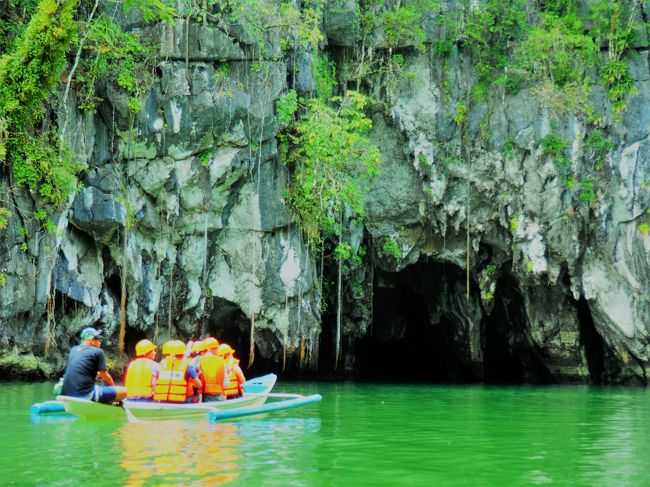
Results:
615 25
387 27
586 192
28 76
391 248
555 147
555 55
331 156
597 148
490 33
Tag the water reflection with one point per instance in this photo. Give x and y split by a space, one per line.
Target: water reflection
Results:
180 452
199 453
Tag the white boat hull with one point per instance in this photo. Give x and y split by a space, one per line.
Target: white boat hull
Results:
255 394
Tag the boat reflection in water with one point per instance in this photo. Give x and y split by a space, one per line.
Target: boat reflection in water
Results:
179 452
200 453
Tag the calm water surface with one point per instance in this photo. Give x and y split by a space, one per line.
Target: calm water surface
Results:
358 435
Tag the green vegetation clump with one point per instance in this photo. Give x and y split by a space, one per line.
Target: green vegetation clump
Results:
330 157
586 193
597 148
391 247
29 74
555 147
31 71
490 34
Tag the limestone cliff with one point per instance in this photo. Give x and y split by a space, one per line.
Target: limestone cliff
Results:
501 263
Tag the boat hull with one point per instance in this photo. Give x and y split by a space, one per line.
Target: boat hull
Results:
254 395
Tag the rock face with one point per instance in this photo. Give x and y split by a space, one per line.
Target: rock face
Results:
501 263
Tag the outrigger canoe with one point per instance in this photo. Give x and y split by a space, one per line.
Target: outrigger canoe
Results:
253 402
255 394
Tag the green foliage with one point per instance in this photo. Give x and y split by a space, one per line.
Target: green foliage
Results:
490 31
644 228
324 77
508 148
586 193
597 148
343 251
13 21
559 7
402 25
152 10
28 76
4 214
615 25
331 156
298 27
112 54
514 223
490 269
204 157
555 147
616 77
460 116
3 279
30 72
391 247
557 51
38 166
286 107
529 266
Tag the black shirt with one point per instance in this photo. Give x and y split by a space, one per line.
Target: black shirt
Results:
83 364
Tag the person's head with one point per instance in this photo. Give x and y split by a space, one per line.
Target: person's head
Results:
145 348
173 347
197 347
91 336
211 344
225 350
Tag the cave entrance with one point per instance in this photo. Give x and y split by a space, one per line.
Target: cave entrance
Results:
410 339
509 356
228 324
592 342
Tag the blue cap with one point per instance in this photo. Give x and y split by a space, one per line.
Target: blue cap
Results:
90 333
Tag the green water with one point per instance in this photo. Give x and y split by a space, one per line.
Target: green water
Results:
358 435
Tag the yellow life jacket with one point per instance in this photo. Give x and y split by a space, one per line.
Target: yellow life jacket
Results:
212 368
232 387
139 378
171 385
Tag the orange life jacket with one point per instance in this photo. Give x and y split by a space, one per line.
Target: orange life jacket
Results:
212 368
172 385
232 387
139 377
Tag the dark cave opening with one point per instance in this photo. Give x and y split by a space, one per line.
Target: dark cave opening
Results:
509 357
592 342
405 344
114 286
228 324
420 331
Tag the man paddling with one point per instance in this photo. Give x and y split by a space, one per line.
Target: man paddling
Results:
86 363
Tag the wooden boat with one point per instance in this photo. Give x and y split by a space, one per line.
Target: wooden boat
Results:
255 394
